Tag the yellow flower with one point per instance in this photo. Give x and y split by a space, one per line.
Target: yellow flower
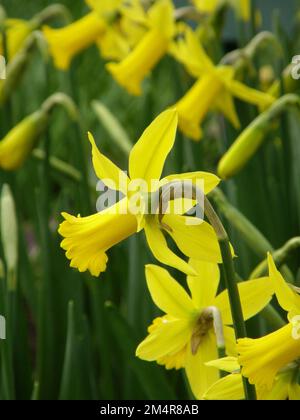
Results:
261 359
19 142
130 72
17 31
68 41
87 239
214 89
184 337
231 387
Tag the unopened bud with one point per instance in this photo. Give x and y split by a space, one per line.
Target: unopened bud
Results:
9 233
19 142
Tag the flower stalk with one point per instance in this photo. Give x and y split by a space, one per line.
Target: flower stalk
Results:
231 284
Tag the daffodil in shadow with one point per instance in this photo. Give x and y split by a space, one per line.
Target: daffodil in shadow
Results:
261 359
230 387
161 28
215 88
187 335
87 239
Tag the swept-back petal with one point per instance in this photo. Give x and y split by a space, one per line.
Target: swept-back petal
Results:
205 285
88 238
167 293
159 248
147 158
228 388
226 364
197 241
210 181
255 295
249 95
107 171
286 297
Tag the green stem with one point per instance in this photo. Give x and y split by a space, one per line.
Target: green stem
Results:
231 284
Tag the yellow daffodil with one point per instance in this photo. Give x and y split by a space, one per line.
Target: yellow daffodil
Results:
17 30
87 239
66 42
131 71
231 387
185 337
261 359
214 89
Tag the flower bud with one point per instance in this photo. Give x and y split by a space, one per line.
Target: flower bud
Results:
19 142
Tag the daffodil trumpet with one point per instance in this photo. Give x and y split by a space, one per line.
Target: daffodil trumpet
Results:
87 239
215 87
230 387
195 326
252 137
262 358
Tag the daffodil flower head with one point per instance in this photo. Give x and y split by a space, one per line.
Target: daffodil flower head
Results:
231 387
214 89
261 359
186 336
131 71
87 239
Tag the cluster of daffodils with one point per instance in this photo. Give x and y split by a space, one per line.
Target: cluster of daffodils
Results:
196 327
202 327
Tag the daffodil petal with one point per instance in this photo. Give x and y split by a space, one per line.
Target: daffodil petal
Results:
205 285
169 338
200 376
209 181
147 157
225 104
107 171
226 364
249 95
159 248
286 297
228 388
197 241
167 294
254 294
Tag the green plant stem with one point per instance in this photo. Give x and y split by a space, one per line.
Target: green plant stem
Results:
280 256
231 284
